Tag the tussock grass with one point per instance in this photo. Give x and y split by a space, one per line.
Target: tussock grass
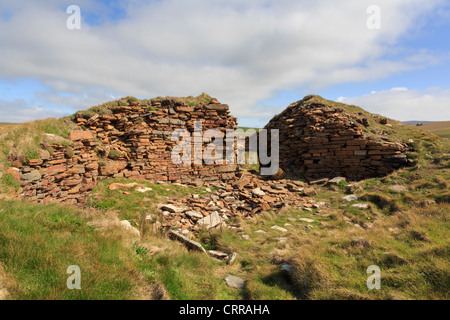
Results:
39 243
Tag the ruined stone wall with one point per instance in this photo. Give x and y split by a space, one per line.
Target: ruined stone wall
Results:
323 141
130 141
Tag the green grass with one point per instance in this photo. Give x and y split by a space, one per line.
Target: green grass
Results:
38 244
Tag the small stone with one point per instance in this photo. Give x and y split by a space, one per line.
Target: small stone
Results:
188 243
245 237
337 180
232 258
310 192
306 220
260 231
398 188
143 190
360 206
279 229
194 215
171 208
235 282
258 192
350 198
288 270
217 254
125 224
211 221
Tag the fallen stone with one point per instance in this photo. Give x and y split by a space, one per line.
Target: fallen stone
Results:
188 243
337 180
310 192
258 192
126 225
194 215
361 206
217 254
34 175
350 198
235 282
245 237
172 208
279 229
232 258
143 190
116 186
306 220
281 239
398 188
260 231
80 135
288 270
211 221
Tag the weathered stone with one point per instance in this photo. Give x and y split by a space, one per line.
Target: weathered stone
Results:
217 254
80 135
188 243
258 192
217 107
231 258
33 175
211 221
350 198
361 206
235 282
279 229
398 188
309 192
126 225
194 215
172 208
306 220
336 180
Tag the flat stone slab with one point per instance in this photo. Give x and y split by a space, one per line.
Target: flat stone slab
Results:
235 282
143 190
125 224
360 206
194 215
260 231
211 221
306 220
279 229
188 243
172 208
398 188
350 198
217 254
337 180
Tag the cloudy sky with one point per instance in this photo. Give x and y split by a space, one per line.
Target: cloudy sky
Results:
255 55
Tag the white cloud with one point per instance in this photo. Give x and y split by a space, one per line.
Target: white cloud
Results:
19 111
402 104
238 51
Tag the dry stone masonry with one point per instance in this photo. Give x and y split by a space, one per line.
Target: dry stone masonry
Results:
131 139
319 139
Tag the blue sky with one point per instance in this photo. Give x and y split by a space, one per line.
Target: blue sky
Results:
256 55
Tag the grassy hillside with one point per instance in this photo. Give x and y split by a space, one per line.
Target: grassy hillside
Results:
404 229
441 128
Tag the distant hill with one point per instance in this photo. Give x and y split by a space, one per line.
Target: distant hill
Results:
415 122
441 128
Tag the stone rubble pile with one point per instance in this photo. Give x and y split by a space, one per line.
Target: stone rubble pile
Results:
244 197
